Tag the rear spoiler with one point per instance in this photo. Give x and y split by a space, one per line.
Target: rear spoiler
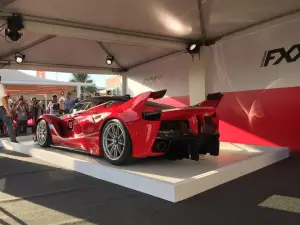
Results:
158 94
137 103
212 100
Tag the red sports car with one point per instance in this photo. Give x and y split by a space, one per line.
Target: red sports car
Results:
121 128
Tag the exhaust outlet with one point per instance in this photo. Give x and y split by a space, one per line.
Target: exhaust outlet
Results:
161 146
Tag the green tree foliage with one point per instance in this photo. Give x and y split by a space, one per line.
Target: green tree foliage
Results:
83 78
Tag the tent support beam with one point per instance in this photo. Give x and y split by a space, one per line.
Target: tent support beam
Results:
201 20
4 3
37 42
78 92
47 83
257 24
167 56
59 67
4 64
109 54
97 33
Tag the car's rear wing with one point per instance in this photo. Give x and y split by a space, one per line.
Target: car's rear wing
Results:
158 94
137 103
212 100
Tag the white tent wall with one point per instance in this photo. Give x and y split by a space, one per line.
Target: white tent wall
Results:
258 99
261 99
171 74
238 58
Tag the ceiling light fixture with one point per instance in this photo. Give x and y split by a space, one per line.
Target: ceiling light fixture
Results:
109 60
194 47
14 27
19 57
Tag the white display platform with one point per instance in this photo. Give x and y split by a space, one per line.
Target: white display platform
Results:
170 180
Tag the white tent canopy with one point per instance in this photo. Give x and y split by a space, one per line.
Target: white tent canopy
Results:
77 36
20 83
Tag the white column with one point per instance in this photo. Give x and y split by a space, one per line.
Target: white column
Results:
197 76
46 104
78 90
124 84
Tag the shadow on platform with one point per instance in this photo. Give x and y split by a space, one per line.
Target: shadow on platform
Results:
33 192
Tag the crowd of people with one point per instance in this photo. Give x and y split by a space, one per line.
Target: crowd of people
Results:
22 110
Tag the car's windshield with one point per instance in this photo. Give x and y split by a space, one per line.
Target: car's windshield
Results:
84 105
80 106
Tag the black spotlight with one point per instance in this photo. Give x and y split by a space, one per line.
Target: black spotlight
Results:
109 60
194 47
14 27
19 57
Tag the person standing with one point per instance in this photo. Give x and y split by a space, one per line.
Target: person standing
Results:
5 114
53 106
35 111
69 102
61 106
81 98
22 110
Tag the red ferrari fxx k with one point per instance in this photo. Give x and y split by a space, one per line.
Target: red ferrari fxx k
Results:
121 128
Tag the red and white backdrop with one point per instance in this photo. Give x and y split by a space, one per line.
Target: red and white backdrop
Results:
259 73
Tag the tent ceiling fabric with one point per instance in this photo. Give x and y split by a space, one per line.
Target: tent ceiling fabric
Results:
134 15
64 35
225 16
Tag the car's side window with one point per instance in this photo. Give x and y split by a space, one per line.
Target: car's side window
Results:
80 107
108 104
87 106
77 107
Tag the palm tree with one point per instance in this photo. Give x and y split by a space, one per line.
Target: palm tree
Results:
83 78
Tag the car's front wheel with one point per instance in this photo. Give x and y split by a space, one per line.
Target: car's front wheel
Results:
43 135
116 143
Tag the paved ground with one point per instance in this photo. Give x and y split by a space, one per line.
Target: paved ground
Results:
20 138
34 192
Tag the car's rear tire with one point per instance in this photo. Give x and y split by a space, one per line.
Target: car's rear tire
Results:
43 135
116 143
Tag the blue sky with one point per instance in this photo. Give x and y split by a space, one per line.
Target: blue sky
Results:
99 79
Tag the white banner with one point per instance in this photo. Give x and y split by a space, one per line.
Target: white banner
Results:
263 58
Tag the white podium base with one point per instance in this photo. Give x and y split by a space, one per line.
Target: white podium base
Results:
170 180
